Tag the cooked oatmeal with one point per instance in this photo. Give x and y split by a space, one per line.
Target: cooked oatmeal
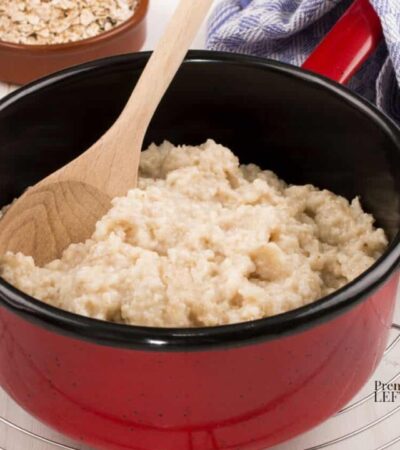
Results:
205 241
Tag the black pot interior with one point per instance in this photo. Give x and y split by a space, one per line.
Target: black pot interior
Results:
297 125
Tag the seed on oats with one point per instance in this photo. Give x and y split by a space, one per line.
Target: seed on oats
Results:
44 22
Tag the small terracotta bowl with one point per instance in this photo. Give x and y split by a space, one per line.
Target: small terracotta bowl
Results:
21 63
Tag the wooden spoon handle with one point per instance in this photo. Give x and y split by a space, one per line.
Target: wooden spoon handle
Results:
111 164
165 62
158 74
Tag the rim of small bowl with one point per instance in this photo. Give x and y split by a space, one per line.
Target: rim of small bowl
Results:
137 17
216 337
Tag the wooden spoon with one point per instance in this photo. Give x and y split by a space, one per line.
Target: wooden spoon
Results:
64 207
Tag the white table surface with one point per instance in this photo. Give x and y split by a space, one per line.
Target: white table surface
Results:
363 415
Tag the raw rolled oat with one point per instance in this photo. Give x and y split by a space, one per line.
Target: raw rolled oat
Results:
42 22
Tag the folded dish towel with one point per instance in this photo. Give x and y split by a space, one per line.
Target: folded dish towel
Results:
288 30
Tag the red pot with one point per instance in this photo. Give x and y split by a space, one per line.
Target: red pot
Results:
245 386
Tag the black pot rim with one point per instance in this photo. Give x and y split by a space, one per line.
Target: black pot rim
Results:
206 338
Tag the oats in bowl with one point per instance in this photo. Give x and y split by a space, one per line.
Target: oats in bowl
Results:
206 241
46 22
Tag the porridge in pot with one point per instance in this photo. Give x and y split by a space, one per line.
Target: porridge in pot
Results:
205 241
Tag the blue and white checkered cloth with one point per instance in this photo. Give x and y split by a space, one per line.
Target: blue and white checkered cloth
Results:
288 30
